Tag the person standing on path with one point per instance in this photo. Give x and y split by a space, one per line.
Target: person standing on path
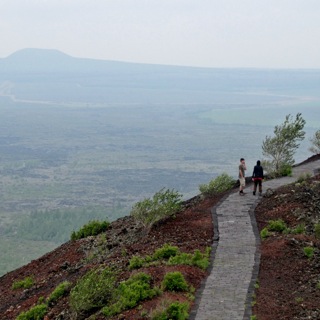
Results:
242 179
257 177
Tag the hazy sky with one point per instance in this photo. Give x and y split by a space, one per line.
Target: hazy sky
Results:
209 33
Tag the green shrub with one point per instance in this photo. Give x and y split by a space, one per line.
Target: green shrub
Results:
198 259
268 169
181 258
165 252
285 170
264 233
92 228
317 230
201 260
35 313
299 229
129 293
271 169
136 262
92 291
303 177
61 290
277 225
220 184
174 281
308 251
164 203
174 257
174 311
26 283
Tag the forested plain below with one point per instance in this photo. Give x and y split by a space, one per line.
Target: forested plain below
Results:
63 163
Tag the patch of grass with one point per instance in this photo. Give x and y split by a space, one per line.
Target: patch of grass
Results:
136 262
299 299
102 239
174 281
264 233
35 313
92 228
190 295
318 285
253 317
92 291
308 251
220 184
198 259
303 177
317 230
164 203
277 225
174 257
124 252
254 301
165 252
61 290
285 170
171 311
201 260
299 229
25 283
129 293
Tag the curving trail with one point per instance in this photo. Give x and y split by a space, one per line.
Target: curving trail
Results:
227 292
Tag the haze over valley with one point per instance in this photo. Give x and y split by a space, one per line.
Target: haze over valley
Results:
85 139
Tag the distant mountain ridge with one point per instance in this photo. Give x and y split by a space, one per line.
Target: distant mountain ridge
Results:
35 60
33 53
51 75
30 59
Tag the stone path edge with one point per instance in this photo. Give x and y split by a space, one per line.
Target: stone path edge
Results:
255 272
214 246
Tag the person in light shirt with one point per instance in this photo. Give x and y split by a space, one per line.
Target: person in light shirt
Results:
242 179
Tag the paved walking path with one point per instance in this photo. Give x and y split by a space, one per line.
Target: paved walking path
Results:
227 293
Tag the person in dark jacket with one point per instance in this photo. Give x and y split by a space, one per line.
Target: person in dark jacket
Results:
257 177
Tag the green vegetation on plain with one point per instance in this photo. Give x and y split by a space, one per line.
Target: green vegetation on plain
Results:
54 225
58 159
